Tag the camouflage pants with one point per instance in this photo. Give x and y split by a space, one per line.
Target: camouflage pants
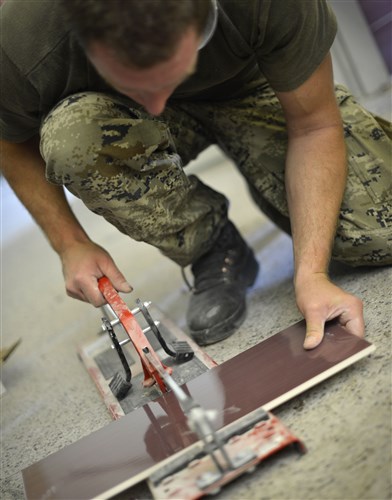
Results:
128 167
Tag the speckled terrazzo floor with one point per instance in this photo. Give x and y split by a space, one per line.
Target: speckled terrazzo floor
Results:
51 402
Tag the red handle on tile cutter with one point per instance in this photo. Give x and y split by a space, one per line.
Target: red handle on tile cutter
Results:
136 335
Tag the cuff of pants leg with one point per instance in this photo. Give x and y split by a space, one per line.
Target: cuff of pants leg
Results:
200 246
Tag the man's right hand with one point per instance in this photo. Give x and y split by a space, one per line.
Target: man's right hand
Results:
83 264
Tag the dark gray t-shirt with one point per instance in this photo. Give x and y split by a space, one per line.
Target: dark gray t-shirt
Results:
256 41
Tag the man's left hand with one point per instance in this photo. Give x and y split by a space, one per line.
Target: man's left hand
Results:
319 300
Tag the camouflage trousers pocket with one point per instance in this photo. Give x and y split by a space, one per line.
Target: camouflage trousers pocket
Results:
372 171
368 149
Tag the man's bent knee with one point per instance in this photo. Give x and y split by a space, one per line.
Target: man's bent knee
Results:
87 132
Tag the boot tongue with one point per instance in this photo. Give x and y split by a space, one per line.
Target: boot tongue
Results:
225 242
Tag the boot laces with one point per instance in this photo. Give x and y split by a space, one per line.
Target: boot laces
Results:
219 264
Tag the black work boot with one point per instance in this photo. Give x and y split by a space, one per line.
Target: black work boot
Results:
221 277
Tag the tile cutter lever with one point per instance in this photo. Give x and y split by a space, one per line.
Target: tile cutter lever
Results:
181 352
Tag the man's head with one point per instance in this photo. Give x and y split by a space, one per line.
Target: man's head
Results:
143 48
142 33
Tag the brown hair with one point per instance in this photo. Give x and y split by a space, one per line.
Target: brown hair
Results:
142 32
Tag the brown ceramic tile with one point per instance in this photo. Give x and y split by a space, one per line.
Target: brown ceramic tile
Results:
126 451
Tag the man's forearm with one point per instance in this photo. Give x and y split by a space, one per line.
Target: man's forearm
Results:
316 172
24 169
315 180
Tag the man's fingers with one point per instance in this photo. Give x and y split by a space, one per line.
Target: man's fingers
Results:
319 300
94 295
87 291
314 333
118 279
355 325
122 286
315 328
